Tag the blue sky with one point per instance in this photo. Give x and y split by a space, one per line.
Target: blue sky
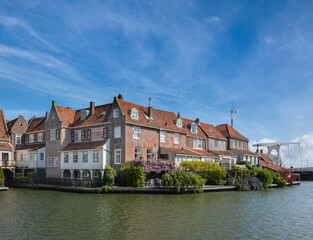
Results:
195 57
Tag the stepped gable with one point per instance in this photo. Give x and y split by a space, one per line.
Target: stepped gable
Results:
3 127
36 124
66 115
228 131
100 115
84 145
211 131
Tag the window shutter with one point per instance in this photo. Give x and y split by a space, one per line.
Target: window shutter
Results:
105 133
72 136
83 135
57 133
89 134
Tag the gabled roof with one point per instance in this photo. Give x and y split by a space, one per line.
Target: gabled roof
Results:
11 123
97 117
32 146
246 152
5 146
84 145
272 166
160 118
265 157
211 131
36 124
182 151
223 153
228 131
3 127
205 153
66 115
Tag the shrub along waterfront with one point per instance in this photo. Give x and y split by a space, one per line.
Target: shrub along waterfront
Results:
1 177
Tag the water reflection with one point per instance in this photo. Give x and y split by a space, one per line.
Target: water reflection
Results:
273 214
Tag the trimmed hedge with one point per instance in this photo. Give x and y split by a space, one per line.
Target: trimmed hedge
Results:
211 172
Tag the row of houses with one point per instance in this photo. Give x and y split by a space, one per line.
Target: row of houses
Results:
68 143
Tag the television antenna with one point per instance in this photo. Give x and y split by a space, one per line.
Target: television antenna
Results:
232 112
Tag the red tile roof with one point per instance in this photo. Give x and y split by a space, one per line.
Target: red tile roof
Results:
228 131
11 123
32 146
211 131
223 153
272 166
265 157
181 151
36 124
5 146
66 115
97 117
3 130
84 145
205 153
160 118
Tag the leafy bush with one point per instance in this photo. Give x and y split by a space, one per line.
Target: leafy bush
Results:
21 180
181 179
18 174
1 177
132 175
109 175
265 176
105 188
211 172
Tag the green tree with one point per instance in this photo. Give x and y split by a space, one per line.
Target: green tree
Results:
132 175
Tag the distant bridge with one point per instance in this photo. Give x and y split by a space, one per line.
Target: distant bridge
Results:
305 173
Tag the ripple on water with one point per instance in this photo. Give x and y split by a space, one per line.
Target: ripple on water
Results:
273 214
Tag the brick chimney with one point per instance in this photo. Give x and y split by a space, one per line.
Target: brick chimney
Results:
120 96
47 114
53 103
197 120
150 108
178 115
261 151
92 108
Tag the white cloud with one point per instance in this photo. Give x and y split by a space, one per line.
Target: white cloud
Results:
212 19
269 40
12 22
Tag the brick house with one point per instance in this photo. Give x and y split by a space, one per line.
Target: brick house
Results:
17 128
6 148
31 155
238 144
140 132
88 151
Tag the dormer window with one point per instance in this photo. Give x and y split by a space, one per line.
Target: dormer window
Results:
103 113
179 123
211 130
84 114
134 114
193 128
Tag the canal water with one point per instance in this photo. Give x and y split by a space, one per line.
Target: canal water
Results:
271 214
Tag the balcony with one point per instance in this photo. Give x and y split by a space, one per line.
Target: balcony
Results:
7 163
30 164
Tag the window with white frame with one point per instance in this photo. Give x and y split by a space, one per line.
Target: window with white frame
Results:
216 143
134 114
49 161
96 133
163 136
18 139
75 157
238 144
77 136
40 137
56 161
243 145
21 156
117 156
42 156
197 143
96 156
149 153
193 128
32 156
137 153
66 157
137 133
176 138
115 113
31 138
234 143
117 132
179 123
85 156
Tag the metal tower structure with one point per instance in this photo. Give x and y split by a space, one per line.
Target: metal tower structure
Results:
232 112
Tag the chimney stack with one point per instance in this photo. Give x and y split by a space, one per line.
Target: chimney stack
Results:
261 150
47 114
53 103
120 96
197 120
150 108
178 115
92 108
